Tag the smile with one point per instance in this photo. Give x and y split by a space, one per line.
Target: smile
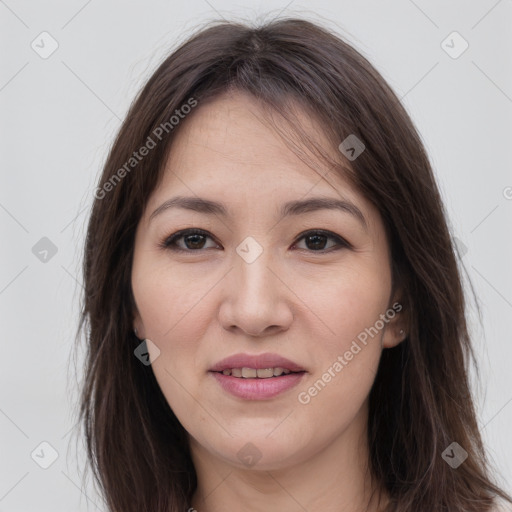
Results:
256 373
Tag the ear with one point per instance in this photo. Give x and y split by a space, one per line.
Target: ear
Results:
138 326
396 329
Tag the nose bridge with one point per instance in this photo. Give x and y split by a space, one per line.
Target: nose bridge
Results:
252 273
255 298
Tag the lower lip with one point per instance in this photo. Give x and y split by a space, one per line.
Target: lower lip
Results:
258 389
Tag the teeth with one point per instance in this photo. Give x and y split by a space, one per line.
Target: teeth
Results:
253 373
249 373
266 373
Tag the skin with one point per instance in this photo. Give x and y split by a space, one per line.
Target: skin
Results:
297 301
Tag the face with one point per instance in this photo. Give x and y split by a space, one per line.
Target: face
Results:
265 274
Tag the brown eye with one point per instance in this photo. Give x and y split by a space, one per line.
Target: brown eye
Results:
191 240
187 240
194 241
316 241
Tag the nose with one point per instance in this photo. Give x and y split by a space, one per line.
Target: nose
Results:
256 299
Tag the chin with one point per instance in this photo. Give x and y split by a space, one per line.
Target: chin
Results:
258 452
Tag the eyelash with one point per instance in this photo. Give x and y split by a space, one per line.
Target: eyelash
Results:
170 241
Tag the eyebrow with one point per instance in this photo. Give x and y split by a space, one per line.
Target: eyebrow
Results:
298 207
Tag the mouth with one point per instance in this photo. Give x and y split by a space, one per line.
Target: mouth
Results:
257 373
251 366
257 377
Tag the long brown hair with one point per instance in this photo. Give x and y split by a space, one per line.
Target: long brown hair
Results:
420 402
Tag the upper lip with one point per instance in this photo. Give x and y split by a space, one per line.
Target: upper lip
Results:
256 361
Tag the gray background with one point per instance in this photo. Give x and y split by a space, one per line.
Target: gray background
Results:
59 115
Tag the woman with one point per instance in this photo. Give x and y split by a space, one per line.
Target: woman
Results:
274 310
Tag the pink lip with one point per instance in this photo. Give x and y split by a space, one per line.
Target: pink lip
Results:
257 389
256 361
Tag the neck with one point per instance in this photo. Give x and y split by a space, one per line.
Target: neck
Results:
335 479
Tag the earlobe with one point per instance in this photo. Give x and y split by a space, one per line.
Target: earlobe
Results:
397 329
137 326
393 336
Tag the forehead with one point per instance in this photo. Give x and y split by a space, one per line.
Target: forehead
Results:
230 139
227 151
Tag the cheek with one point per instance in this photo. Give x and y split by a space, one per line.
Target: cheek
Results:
346 304
172 303
176 310
347 358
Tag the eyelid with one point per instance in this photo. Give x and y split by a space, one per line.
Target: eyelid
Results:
167 242
342 242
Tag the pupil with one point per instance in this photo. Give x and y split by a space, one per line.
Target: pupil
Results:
318 239
195 240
